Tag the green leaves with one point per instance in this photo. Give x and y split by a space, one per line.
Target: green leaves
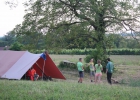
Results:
16 46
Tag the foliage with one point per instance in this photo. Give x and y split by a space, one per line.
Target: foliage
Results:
8 39
63 90
93 19
67 65
31 39
16 46
79 37
3 43
97 56
72 66
124 52
89 52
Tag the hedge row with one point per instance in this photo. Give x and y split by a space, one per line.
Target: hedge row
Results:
88 51
124 52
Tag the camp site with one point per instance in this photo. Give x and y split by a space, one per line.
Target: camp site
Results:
15 63
70 50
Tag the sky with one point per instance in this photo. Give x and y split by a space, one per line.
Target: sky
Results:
10 17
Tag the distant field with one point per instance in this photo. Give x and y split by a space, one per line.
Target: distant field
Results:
117 59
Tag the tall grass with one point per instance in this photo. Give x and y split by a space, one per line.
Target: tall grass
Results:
39 90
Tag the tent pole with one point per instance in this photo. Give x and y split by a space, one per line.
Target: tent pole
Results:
43 70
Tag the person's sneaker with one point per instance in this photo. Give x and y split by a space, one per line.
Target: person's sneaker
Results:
91 80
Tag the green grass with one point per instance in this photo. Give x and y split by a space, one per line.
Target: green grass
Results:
126 59
39 90
134 82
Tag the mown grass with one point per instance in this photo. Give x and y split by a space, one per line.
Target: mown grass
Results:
39 90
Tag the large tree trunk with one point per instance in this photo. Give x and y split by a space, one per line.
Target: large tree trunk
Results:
101 45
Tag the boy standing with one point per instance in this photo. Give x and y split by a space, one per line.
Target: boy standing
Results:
109 70
81 70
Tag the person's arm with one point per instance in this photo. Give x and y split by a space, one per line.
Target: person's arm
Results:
107 66
101 68
83 67
95 67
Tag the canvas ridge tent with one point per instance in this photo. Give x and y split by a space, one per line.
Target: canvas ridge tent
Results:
14 64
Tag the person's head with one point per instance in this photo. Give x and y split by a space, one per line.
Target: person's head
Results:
80 59
91 60
108 59
45 52
99 62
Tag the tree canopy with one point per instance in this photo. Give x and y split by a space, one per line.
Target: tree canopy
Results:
98 18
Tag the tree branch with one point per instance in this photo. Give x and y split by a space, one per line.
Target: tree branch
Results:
73 9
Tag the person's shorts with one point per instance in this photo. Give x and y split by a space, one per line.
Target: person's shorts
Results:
81 74
92 73
98 74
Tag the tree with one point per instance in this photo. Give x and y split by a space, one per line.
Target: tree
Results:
16 46
99 16
32 39
117 41
9 38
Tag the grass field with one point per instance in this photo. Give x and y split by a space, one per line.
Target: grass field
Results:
127 73
27 90
117 59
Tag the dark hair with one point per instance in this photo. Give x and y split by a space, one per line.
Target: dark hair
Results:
108 59
98 61
80 59
45 51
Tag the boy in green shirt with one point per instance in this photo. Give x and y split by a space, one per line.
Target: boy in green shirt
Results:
81 70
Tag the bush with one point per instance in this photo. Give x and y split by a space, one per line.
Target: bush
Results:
89 51
67 65
16 46
96 55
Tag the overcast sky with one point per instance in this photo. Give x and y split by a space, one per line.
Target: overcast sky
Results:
9 18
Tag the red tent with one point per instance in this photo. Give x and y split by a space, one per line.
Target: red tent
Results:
50 68
14 64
